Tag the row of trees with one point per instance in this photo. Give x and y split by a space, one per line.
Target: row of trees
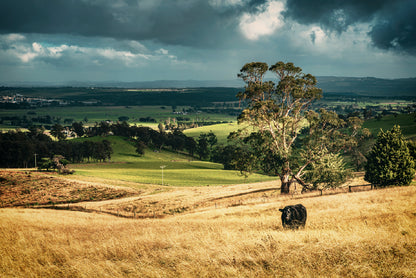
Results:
25 149
121 128
146 137
20 149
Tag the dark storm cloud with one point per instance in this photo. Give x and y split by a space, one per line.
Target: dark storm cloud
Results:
175 22
393 23
397 30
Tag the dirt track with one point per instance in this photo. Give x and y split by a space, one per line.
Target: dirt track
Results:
45 190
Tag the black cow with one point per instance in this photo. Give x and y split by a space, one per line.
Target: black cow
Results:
293 216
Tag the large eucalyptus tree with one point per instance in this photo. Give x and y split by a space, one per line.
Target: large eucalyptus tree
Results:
282 129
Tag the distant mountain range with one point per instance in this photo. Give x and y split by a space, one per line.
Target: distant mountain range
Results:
368 85
330 84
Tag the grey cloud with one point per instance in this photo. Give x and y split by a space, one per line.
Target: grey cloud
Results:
397 29
393 24
174 22
313 37
336 15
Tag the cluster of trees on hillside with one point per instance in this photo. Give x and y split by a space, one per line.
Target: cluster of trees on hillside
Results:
143 137
20 149
25 149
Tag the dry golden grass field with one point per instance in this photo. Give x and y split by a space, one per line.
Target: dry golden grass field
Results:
231 231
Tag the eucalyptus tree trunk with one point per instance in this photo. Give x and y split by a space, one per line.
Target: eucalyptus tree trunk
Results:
285 185
285 179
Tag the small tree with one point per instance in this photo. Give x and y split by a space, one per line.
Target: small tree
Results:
202 148
57 131
161 128
123 118
61 164
78 128
329 172
212 139
45 164
140 147
389 161
58 162
412 149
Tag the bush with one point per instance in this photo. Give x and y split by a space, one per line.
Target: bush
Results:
389 161
329 172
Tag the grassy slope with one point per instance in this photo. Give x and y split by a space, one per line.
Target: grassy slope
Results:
407 123
220 130
366 234
180 170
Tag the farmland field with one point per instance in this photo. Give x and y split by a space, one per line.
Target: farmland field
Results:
130 217
220 130
180 170
101 113
364 234
407 123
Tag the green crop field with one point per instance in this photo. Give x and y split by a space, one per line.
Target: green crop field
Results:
220 130
180 170
134 113
407 122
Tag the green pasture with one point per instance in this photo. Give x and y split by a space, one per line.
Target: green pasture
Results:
220 130
112 113
376 103
407 123
6 128
180 170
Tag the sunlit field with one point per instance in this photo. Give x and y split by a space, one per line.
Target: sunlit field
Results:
406 122
365 234
220 130
95 114
179 170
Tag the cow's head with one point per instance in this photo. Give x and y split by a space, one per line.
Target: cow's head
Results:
286 213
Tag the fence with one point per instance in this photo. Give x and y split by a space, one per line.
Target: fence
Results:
350 188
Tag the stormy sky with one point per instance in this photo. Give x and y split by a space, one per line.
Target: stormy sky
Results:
143 40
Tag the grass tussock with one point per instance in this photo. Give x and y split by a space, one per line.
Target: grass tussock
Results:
365 234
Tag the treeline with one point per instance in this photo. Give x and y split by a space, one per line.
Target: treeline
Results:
204 147
146 137
143 137
25 149
27 121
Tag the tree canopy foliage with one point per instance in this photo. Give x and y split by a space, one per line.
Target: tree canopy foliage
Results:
389 161
21 149
285 134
